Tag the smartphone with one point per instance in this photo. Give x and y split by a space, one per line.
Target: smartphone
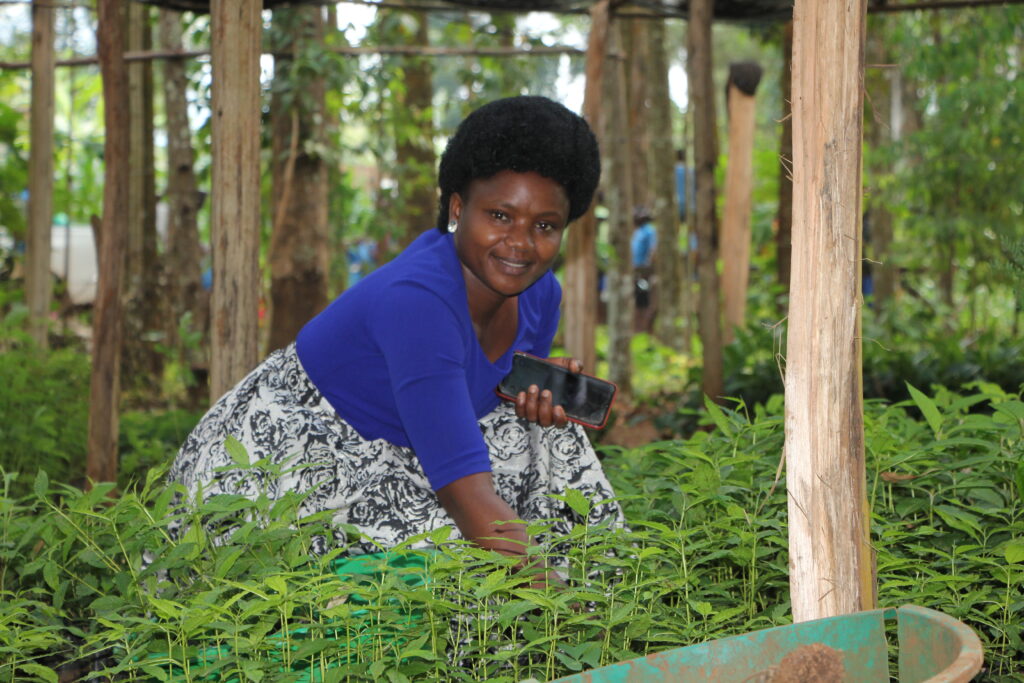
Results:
586 399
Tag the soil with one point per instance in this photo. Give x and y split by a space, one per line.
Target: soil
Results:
815 663
631 427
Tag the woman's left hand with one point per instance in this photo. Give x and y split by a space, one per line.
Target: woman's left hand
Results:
537 406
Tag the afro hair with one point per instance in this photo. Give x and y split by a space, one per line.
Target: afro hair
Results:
522 134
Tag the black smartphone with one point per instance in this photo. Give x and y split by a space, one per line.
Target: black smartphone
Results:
586 399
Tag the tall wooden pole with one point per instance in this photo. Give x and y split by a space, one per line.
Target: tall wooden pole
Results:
38 284
618 191
705 152
235 220
831 568
739 183
105 383
580 301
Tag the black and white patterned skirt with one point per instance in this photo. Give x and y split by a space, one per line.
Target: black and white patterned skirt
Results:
379 488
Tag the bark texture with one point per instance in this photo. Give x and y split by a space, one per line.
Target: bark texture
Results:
145 316
235 222
579 301
38 282
184 257
298 242
831 568
664 205
414 135
617 185
105 381
705 153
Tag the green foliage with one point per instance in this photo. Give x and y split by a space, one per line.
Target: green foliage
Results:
955 189
238 596
43 412
13 163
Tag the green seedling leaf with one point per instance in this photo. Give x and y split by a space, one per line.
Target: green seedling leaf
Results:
42 484
1014 551
1019 480
576 501
1014 410
721 421
237 451
928 408
38 670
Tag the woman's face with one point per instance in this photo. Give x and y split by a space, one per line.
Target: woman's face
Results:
510 227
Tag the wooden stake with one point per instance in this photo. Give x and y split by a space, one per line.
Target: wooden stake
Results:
739 183
235 220
705 152
38 282
105 383
830 561
579 304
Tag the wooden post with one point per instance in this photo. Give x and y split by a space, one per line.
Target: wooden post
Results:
831 568
618 192
705 151
235 220
38 283
105 383
739 183
580 300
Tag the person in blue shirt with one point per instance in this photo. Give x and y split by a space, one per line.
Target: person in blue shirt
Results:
645 239
384 409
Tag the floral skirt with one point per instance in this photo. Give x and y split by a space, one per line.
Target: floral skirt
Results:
373 485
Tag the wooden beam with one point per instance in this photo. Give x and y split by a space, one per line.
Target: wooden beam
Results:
408 50
739 183
105 383
579 305
38 282
235 221
831 568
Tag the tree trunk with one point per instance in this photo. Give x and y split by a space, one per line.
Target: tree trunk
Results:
831 568
635 33
579 303
739 184
38 282
298 243
784 233
105 381
617 193
705 153
414 136
184 257
665 209
140 361
235 220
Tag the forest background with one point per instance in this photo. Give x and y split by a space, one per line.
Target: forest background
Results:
944 252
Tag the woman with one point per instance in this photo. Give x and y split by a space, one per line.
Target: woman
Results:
384 409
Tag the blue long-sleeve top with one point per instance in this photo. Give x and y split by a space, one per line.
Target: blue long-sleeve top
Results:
397 358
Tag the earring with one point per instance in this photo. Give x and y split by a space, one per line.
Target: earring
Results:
453 225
